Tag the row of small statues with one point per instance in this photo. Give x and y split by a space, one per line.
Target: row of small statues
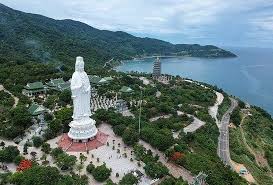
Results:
100 102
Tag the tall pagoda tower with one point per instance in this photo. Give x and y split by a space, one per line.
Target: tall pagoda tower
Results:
157 68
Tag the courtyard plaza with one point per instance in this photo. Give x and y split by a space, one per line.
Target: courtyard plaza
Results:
116 155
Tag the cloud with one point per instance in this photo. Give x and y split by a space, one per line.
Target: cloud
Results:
233 22
158 19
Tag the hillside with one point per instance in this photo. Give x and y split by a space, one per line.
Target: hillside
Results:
251 143
178 133
161 150
33 37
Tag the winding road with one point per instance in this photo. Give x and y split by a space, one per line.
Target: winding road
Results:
223 140
213 110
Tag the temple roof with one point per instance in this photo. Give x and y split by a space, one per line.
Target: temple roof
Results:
34 85
64 86
109 78
126 89
96 79
55 82
36 109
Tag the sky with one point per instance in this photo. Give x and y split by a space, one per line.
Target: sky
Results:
247 23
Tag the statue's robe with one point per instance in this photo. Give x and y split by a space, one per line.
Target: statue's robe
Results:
80 88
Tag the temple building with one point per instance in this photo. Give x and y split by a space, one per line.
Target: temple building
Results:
36 110
64 86
98 81
126 89
58 84
35 88
157 68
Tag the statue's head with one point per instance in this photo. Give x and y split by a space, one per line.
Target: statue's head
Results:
79 66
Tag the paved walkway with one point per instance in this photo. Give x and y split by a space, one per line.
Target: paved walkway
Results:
195 125
160 117
213 110
112 155
175 170
114 159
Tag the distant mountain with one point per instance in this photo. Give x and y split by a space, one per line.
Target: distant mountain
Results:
25 36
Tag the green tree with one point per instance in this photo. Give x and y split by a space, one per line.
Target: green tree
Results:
20 116
37 141
82 158
109 182
65 116
65 161
56 152
18 159
50 101
8 154
55 126
65 96
128 179
130 136
37 175
46 148
235 116
90 167
101 173
155 170
119 129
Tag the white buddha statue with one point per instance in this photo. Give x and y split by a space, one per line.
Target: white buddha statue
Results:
82 128
80 88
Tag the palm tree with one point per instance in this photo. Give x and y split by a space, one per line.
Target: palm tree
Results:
82 158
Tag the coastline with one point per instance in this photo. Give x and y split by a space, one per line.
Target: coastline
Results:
180 56
222 72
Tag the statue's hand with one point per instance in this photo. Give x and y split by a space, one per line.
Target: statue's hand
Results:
87 90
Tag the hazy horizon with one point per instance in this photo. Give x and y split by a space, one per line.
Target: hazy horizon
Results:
225 24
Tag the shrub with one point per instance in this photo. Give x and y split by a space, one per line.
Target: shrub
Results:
155 170
18 159
46 148
90 167
130 136
128 179
8 154
37 141
101 173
